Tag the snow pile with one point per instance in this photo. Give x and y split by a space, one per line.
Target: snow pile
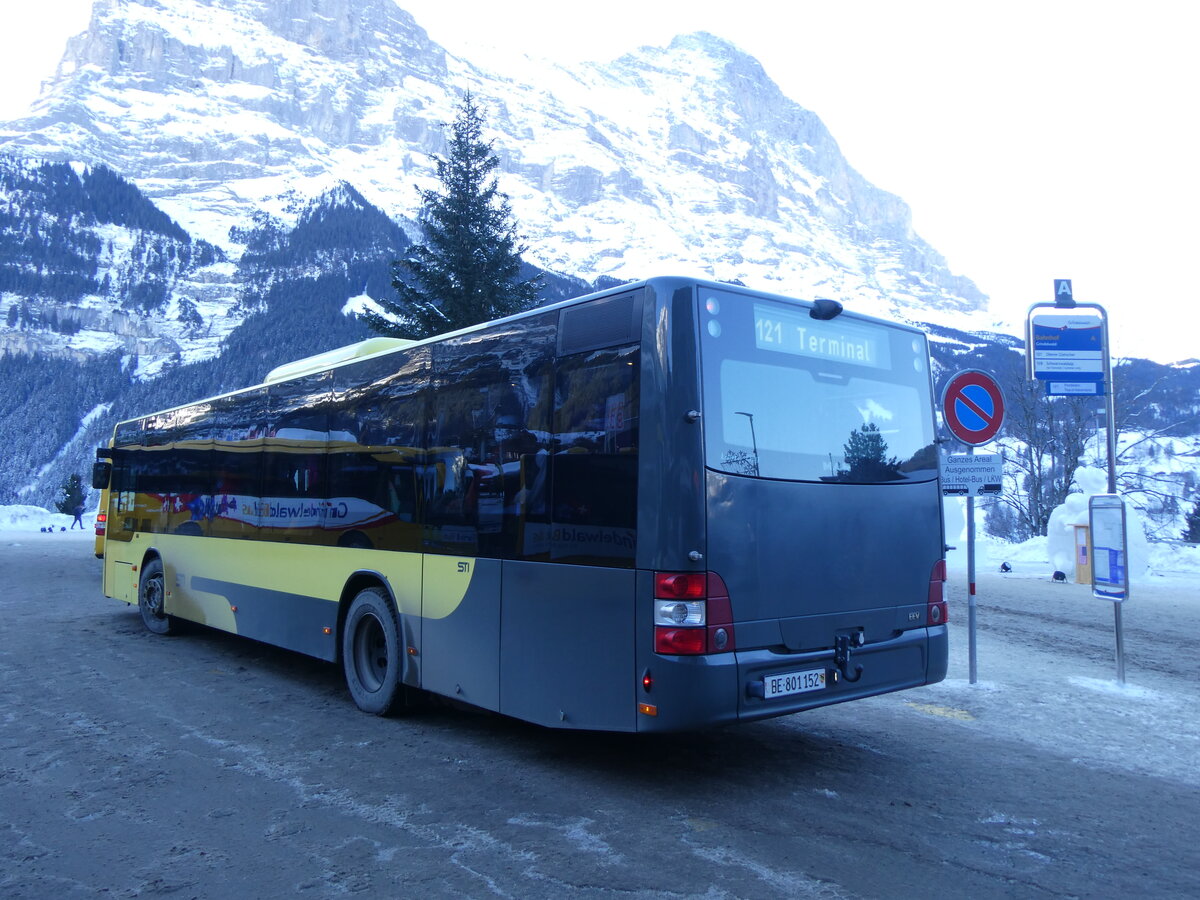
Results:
1060 531
35 519
1040 557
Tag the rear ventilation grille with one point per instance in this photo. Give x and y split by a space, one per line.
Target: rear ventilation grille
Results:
601 323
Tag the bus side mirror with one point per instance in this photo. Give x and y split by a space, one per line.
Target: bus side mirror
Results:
101 472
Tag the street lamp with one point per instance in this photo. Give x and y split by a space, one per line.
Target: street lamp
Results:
753 439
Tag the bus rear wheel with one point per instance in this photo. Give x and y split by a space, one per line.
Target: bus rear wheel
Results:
152 595
372 654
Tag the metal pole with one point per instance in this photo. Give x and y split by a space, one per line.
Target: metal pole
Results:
1111 409
1110 402
971 581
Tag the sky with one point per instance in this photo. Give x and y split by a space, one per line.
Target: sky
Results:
1032 140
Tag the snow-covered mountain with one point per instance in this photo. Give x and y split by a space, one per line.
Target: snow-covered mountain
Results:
681 159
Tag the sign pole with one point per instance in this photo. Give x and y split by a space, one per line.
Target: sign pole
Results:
1111 405
971 642
973 411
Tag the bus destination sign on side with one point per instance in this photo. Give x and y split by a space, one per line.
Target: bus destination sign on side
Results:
972 474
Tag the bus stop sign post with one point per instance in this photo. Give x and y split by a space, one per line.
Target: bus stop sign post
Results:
1051 359
1110 559
973 410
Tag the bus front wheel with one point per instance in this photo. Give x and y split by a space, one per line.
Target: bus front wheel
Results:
372 654
151 596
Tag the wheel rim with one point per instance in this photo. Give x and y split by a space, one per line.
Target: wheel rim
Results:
152 596
370 652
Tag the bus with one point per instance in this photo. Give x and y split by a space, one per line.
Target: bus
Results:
661 507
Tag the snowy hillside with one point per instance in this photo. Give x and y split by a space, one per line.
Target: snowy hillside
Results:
682 159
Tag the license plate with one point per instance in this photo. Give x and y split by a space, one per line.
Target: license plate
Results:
793 683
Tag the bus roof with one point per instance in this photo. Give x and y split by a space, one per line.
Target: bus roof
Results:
380 346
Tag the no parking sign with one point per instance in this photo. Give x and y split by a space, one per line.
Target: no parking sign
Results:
973 407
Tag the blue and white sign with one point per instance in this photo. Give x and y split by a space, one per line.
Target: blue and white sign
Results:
1068 348
1075 388
1110 561
972 474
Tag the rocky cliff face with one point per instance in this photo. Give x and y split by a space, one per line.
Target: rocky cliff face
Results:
678 159
88 265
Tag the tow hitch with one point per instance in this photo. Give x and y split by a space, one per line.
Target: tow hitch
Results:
841 654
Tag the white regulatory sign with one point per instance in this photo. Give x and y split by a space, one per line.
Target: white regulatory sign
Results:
972 474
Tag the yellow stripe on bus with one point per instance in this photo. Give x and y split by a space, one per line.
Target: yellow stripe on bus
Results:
429 586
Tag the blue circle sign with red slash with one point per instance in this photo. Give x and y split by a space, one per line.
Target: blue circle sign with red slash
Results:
973 407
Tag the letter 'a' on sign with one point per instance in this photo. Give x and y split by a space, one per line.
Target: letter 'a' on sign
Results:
1063 295
973 407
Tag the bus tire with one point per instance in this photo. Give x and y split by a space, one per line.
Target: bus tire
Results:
372 653
152 593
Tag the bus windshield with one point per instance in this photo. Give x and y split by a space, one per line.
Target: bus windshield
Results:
787 396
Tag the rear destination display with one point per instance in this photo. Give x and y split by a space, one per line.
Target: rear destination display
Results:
788 331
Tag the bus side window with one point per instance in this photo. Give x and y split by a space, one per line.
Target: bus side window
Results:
490 421
594 480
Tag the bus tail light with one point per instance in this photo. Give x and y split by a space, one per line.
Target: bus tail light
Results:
101 521
681 585
937 610
680 641
692 614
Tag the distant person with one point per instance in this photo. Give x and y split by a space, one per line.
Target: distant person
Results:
78 518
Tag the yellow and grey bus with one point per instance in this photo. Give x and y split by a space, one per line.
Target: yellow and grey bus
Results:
659 507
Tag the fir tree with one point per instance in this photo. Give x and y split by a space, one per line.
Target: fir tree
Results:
468 268
1191 534
72 495
866 456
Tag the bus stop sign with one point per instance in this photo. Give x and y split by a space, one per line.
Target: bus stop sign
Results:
973 407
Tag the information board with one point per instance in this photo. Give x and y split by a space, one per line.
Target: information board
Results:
1068 348
1110 563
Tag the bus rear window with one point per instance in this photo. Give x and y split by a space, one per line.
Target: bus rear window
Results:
790 397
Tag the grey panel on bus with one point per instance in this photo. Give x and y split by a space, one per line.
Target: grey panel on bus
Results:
460 654
601 323
671 503
820 558
292 621
567 646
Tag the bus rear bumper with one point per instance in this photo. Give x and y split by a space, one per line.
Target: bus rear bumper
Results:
697 692
808 680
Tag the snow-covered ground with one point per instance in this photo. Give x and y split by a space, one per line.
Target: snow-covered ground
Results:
1046 673
35 520
1169 563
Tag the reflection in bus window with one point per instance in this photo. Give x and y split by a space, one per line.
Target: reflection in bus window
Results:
595 464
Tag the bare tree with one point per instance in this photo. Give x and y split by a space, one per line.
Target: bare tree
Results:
1043 441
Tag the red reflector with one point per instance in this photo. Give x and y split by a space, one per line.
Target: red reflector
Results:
680 585
939 571
937 608
680 641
